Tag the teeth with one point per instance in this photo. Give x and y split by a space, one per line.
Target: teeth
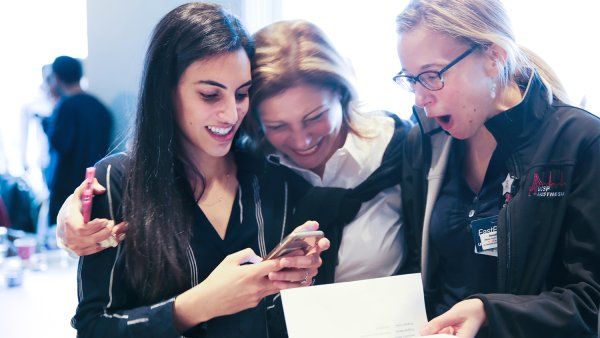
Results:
220 131
308 151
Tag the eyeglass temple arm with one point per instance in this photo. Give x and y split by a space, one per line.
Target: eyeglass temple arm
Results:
457 60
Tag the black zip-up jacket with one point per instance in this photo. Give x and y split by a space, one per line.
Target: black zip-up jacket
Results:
548 233
109 307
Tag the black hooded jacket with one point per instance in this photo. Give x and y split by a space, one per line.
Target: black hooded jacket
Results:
548 233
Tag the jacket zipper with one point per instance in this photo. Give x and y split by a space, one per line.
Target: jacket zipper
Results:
508 230
516 182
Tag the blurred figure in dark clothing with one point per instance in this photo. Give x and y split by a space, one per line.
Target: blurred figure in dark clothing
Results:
78 131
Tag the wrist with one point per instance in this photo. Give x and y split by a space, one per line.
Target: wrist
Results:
192 308
480 310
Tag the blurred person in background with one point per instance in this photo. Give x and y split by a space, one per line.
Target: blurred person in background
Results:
78 132
35 148
35 156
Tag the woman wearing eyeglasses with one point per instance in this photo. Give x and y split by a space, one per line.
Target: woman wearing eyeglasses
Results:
501 180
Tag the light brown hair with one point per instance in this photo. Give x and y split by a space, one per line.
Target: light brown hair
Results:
294 53
483 23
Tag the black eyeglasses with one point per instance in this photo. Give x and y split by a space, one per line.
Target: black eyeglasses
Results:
429 79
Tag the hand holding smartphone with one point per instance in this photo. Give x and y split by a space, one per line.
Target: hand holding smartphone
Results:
88 194
298 240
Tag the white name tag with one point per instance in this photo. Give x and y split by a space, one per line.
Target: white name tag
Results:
485 235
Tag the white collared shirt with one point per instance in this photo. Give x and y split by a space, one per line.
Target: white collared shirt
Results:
373 244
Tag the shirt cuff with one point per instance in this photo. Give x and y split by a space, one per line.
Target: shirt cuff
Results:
155 320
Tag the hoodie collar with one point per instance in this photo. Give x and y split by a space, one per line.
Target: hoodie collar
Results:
514 127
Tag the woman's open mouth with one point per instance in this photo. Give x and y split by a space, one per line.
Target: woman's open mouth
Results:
221 133
308 151
445 121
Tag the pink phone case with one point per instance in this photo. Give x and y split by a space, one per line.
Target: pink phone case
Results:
88 194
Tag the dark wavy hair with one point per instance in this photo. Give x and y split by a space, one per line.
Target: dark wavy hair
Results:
157 199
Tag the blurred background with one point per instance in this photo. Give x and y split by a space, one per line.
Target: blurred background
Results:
109 37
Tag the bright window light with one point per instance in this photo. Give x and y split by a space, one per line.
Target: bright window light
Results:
560 32
33 34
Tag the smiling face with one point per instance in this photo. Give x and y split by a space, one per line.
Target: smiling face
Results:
304 123
211 100
463 105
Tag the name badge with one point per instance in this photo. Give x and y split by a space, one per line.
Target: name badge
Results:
485 235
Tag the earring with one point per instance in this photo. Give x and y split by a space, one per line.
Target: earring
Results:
493 90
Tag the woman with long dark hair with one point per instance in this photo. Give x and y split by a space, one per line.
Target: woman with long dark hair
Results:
304 115
197 206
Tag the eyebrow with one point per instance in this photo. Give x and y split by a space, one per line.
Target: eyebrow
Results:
220 85
424 68
304 117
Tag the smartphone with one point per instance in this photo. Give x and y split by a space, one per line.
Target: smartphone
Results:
299 240
88 194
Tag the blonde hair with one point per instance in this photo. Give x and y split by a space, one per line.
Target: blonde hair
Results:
294 53
483 23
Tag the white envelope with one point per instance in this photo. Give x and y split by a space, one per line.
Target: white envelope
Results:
389 307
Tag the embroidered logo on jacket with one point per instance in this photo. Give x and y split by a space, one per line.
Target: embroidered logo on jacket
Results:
548 183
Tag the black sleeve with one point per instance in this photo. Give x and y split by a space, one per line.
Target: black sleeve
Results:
107 308
570 307
413 190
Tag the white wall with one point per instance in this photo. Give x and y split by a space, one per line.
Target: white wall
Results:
118 35
561 32
32 33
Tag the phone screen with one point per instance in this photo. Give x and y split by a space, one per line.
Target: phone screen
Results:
301 240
